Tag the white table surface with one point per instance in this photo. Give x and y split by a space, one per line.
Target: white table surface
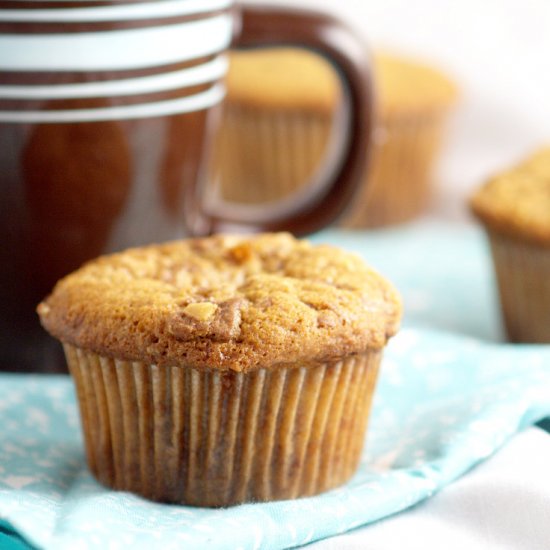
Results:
503 504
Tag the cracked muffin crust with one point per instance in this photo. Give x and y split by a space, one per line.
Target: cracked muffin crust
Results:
225 302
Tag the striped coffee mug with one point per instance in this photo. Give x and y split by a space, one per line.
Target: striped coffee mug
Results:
108 112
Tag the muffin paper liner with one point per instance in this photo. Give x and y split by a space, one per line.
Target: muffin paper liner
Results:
399 186
523 275
211 438
269 156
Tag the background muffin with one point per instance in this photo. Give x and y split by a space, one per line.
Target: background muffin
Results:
515 210
414 102
277 120
227 369
279 115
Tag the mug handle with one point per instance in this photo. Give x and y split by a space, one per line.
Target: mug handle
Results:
278 26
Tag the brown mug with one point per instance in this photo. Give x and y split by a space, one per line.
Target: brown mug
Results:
108 112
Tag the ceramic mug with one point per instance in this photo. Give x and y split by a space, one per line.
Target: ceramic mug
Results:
107 116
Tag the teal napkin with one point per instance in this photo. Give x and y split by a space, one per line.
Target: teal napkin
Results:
449 395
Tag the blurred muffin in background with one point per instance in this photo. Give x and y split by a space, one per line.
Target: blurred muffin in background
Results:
279 116
277 123
514 208
413 103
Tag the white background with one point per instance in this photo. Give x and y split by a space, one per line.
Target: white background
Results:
498 51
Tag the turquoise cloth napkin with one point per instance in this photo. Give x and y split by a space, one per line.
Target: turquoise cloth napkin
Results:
449 395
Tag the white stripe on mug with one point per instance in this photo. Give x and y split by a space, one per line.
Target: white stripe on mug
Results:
148 10
116 50
197 102
191 76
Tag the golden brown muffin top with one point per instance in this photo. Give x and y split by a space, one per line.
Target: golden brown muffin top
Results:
517 202
225 302
409 85
284 78
298 79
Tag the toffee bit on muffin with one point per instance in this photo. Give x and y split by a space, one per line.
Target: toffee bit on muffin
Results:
220 321
202 311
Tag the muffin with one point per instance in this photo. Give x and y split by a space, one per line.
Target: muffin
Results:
226 369
278 121
514 208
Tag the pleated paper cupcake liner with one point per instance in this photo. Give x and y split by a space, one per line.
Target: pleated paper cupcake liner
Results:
399 184
210 438
268 156
523 275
